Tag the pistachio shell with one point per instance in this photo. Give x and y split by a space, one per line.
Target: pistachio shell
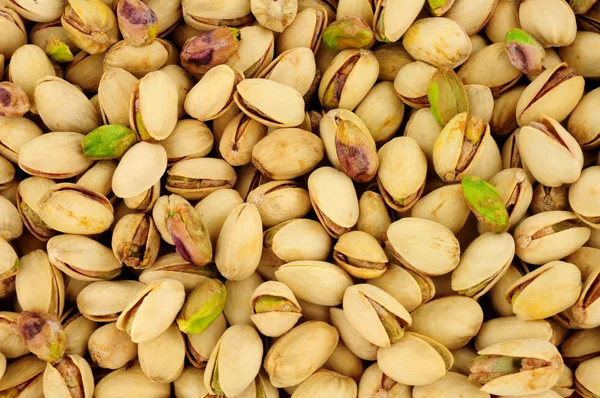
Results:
78 330
237 310
194 179
510 328
162 358
344 362
256 51
215 208
27 369
10 141
384 123
91 25
104 301
391 57
49 296
280 201
326 383
114 93
305 31
29 63
189 139
559 14
412 83
11 226
583 196
360 255
357 344
295 67
139 169
409 288
200 346
452 385
136 60
275 18
445 205
373 217
374 381
393 18
80 379
130 381
220 81
300 239
585 377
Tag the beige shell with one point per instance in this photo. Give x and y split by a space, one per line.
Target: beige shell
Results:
452 385
472 16
344 362
374 216
190 384
234 375
54 155
359 247
503 19
11 226
326 383
28 64
585 258
78 330
583 196
306 31
540 286
384 123
509 328
409 288
173 266
318 282
130 381
145 200
136 60
516 192
55 384
557 27
25 369
211 169
98 178
299 353
256 51
395 17
215 208
481 101
280 201
153 310
163 357
114 94
358 345
212 96
13 30
190 139
105 300
298 239
445 205
72 209
139 169
200 346
412 83
202 15
237 308
415 360
12 344
183 82
483 263
504 118
29 192
575 54
586 377
373 381
111 348
583 121
428 40
425 129
295 67
14 133
365 319
423 246
239 246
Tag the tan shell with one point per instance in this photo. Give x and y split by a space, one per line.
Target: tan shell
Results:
29 192
54 155
516 192
200 346
104 301
586 377
237 308
199 169
452 385
318 282
374 216
557 29
124 237
445 205
425 129
202 15
173 266
344 362
13 30
306 31
136 60
373 381
295 67
55 384
25 369
391 57
11 226
398 16
298 239
357 246
98 178
130 381
509 328
357 344
111 348
139 169
384 123
575 54
215 208
409 288
412 83
427 40
14 133
85 71
256 51
585 258
28 64
189 139
481 101
326 383
423 246
583 196
163 357
299 353
114 94
280 201
212 96
583 121
471 16
145 200
183 82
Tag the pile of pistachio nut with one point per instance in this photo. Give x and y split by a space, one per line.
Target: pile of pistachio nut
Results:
299 198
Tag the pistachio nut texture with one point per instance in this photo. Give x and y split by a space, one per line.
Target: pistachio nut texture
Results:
299 198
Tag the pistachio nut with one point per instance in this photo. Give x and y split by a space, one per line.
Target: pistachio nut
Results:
138 23
114 93
136 60
209 49
108 142
29 192
220 82
452 385
559 14
296 68
299 353
357 344
575 54
391 57
428 40
504 329
540 286
374 217
10 141
49 296
239 139
554 94
104 301
14 31
200 346
374 382
91 25
516 193
349 144
348 79
481 101
359 254
130 381
465 147
224 374
263 100
28 64
237 309
415 360
54 155
402 172
173 266
279 201
486 203
15 102
202 14
524 52
275 309
11 226
549 236
344 362
323 383
162 358
85 71
490 67
272 15
135 241
425 129
190 383
23 377
423 246
55 41
72 209
305 31
82 258
393 18
78 330
445 205
203 305
384 123
256 51
143 201
504 121
472 18
318 282
43 335
333 197
376 315
139 169
71 376
447 95
507 368
348 32
585 381
583 197
190 139
287 153
214 209
194 179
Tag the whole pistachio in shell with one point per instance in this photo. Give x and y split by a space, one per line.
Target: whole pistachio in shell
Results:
162 358
71 376
274 14
203 305
357 344
275 309
452 385
391 57
138 60
43 335
15 102
239 138
305 31
349 144
348 32
225 374
333 197
584 313
447 95
91 25
438 42
22 377
541 285
28 64
72 209
215 208
135 241
296 68
553 94
394 17
139 170
383 124
582 123
114 94
376 315
9 261
466 148
196 178
524 52
348 79
504 121
360 255
138 23
507 368
445 205
130 381
556 28
516 193
11 226
280 201
325 383
209 49
509 328
111 348
586 382
173 266
374 216
583 197
299 353
190 139
29 192
374 382
237 308
436 253
78 330
10 141
256 51
108 142
202 15
14 32
485 202
415 360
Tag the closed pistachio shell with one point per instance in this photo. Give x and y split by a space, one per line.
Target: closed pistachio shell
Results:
423 246
50 294
426 40
85 71
481 101
412 83
425 129
237 309
357 344
98 178
326 383
196 178
111 348
344 362
189 139
317 282
585 377
290 360
580 346
557 13
452 385
385 123
190 383
374 216
305 31
162 358
130 381
445 205
220 82
575 54
280 201
582 123
284 243
11 143
23 74
78 330
504 329
139 169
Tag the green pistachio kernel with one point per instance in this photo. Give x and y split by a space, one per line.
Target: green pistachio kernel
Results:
447 95
486 203
108 142
57 51
204 304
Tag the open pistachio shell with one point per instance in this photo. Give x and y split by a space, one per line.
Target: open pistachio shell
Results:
23 377
409 288
203 16
194 179
357 344
393 18
583 197
436 253
374 382
510 328
415 360
11 343
360 255
43 335
215 208
49 296
274 17
16 103
105 300
292 359
200 346
138 23
78 330
11 226
472 17
135 240
559 14
136 60
540 286
582 121
295 67
485 202
305 31
256 51
91 25
283 242
584 313
549 236
71 376
516 193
